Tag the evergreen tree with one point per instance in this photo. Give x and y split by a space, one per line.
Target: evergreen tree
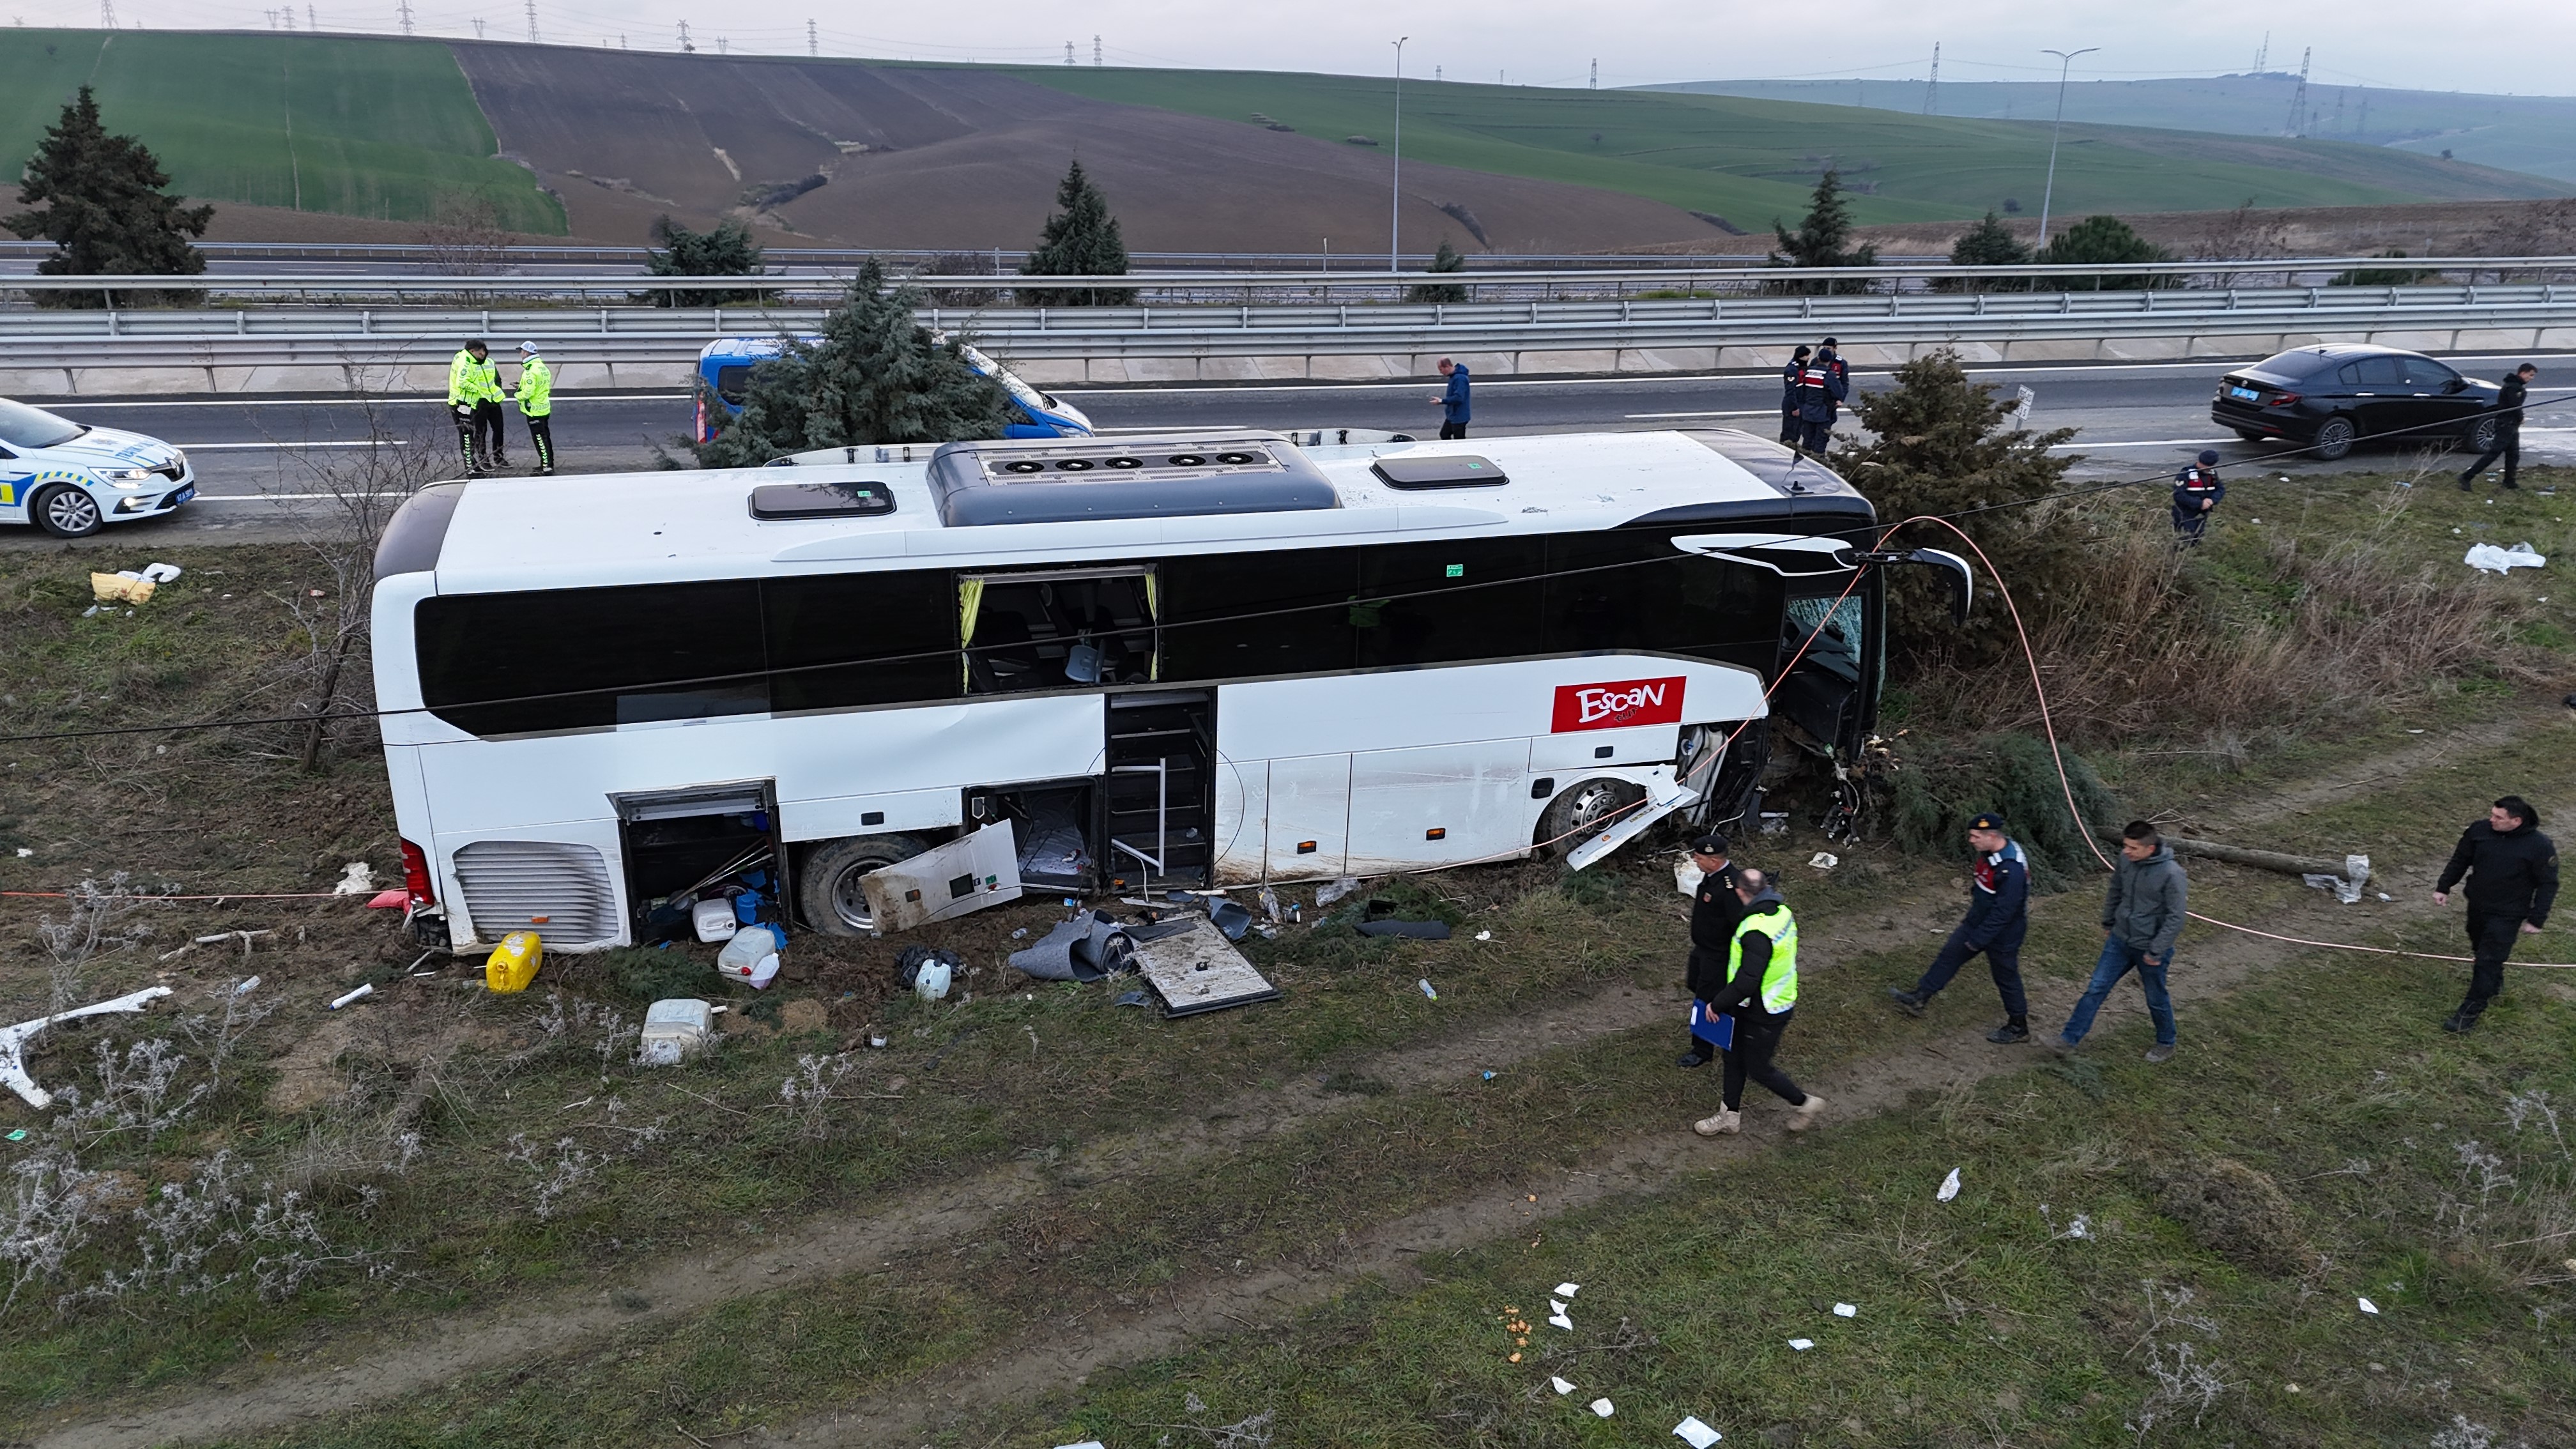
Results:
1941 443
1988 244
1080 240
876 376
727 251
2103 239
101 204
1819 241
1446 259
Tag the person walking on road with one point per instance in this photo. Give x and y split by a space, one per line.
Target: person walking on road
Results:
1716 910
2142 916
1760 994
471 375
2512 870
1453 400
2508 428
1831 360
1819 391
2197 492
1793 432
536 393
1997 920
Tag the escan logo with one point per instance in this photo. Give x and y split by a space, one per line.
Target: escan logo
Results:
1618 704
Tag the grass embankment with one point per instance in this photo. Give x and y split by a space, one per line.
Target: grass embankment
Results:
1325 1133
371 127
1751 160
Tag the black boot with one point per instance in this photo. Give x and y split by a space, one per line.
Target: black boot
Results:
1909 1002
2461 1021
1690 1059
2011 1033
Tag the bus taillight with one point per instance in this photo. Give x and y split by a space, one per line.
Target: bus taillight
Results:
416 879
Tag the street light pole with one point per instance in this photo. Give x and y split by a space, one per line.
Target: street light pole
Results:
1395 193
2049 192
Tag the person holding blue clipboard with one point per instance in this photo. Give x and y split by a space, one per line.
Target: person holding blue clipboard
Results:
1715 910
1753 1008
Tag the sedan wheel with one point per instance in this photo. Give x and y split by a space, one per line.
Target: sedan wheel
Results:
2334 439
2482 435
66 512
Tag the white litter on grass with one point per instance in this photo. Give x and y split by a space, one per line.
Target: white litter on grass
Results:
1601 1407
160 573
357 878
24 852
2367 1306
1846 1310
1802 1344
1824 860
1949 1187
1085 1444
2486 558
1696 1434
1560 1385
1561 1321
1568 1290
1484 935
1553 1306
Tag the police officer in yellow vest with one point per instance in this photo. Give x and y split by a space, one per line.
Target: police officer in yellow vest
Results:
536 393
474 397
1760 993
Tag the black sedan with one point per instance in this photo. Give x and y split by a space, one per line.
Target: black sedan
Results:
2330 397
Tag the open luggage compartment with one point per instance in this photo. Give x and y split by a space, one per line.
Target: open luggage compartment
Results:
679 845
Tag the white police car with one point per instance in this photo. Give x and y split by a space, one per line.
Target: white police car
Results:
71 479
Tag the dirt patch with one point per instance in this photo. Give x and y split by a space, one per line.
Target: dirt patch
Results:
2238 1211
310 1075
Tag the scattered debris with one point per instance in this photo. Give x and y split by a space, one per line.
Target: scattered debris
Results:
13 1039
1560 1385
369 989
1197 969
675 1028
1334 892
751 957
966 874
2486 558
389 900
1230 918
1824 860
1775 822
1696 1434
2367 1306
1408 930
357 878
121 588
1802 1344
1085 948
1601 1407
1559 1320
2346 886
1484 935
1132 998
514 962
1425 984
713 919
159 573
1687 875
1846 1310
1949 1187
1568 1290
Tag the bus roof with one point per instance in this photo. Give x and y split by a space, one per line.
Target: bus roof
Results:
497 534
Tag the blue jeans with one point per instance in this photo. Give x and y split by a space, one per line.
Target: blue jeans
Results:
2119 958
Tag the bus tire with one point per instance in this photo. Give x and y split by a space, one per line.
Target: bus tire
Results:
1581 811
829 890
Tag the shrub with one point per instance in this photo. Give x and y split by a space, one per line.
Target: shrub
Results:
2015 776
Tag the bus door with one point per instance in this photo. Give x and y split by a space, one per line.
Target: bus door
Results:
1828 693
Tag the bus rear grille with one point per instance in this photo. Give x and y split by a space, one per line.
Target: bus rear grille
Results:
510 885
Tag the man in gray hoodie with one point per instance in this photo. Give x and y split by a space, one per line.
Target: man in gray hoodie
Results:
2142 917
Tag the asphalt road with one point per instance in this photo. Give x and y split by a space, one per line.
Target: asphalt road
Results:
257 459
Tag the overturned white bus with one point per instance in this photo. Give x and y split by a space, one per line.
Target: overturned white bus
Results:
1187 659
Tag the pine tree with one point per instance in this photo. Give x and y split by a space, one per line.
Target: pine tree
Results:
876 376
103 208
1820 239
2103 239
727 251
1080 240
1988 244
1446 259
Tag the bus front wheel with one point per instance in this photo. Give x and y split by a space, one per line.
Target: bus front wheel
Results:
829 888
1583 811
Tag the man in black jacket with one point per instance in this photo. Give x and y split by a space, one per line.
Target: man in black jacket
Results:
1760 995
1715 910
2507 413
1793 431
2513 879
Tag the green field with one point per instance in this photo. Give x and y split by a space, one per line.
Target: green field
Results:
1750 160
373 128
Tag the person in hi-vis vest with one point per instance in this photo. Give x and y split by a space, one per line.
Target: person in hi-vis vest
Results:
536 393
1760 994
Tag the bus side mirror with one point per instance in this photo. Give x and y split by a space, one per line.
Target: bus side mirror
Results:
1962 579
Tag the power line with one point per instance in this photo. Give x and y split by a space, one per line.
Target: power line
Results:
1932 88
812 45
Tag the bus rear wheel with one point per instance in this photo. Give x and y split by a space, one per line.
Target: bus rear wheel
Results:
829 890
1583 811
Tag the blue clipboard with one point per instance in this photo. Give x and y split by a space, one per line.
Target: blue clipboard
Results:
1718 1031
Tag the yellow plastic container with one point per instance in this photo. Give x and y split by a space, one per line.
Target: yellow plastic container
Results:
514 963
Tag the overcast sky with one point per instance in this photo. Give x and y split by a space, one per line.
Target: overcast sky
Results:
2521 48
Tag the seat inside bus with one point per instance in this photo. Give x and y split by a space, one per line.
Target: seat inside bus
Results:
1052 633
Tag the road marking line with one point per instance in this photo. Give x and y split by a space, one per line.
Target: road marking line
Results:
245 447
2142 443
1756 413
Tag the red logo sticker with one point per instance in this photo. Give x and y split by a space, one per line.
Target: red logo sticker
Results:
1618 705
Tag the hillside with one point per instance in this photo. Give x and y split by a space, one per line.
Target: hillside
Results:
363 127
1751 159
2535 134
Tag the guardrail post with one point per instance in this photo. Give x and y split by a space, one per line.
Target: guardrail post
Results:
366 321
1144 319
241 323
1042 319
487 321
603 320
1981 304
111 321
1439 314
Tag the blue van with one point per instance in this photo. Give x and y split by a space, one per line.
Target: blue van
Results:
724 367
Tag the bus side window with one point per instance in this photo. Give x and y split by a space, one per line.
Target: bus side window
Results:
1029 631
1632 590
1443 603
584 658
1256 614
838 640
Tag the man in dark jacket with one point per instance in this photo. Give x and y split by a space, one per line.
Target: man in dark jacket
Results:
1715 912
2507 413
1832 362
1453 400
2142 916
1793 432
2513 879
2196 494
1819 392
1997 920
1761 992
